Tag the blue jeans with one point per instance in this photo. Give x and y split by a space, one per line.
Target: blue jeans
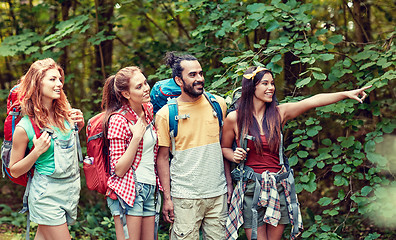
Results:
143 206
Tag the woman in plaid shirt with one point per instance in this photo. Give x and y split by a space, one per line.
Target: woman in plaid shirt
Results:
260 116
132 144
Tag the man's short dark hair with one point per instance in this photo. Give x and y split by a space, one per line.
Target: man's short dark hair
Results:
174 62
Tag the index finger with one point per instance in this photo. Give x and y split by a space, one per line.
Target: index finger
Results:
366 87
43 135
75 111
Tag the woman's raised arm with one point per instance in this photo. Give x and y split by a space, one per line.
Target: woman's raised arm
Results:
291 110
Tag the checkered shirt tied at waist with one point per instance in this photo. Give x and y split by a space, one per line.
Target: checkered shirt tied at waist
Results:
269 199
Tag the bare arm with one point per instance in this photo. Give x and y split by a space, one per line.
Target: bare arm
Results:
227 172
125 162
291 110
19 164
164 177
229 134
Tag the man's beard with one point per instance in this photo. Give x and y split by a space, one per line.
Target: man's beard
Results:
190 91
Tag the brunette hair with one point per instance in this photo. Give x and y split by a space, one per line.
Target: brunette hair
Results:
31 99
248 124
112 98
174 62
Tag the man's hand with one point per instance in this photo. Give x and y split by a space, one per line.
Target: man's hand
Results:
167 211
230 189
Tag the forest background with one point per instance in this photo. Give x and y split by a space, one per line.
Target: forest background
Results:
343 155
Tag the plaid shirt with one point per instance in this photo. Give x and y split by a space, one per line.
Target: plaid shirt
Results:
269 198
235 219
120 136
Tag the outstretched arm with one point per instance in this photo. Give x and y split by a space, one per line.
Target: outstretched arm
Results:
291 110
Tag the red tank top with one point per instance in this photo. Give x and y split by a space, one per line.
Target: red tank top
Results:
262 162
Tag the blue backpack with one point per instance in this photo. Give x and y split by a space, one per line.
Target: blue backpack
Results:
165 92
162 92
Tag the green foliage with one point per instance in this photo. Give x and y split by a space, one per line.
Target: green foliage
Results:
344 154
22 43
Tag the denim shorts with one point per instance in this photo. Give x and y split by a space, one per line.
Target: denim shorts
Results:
143 206
53 201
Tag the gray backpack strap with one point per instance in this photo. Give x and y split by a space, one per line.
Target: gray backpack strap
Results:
281 161
78 145
289 175
256 195
293 202
123 217
123 208
157 213
250 174
25 206
173 142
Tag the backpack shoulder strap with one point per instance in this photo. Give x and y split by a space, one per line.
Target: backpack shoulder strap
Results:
173 120
36 129
125 114
146 107
217 112
282 157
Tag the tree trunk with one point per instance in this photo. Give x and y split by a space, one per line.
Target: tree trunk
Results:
104 50
63 60
361 17
291 72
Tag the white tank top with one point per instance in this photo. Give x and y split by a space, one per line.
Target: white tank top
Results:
145 172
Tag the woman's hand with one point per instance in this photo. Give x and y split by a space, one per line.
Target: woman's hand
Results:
138 129
239 154
77 116
358 94
42 143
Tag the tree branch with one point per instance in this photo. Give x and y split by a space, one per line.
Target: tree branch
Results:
159 28
99 45
356 20
177 20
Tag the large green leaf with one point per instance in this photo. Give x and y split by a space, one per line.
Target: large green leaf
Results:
324 201
335 39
